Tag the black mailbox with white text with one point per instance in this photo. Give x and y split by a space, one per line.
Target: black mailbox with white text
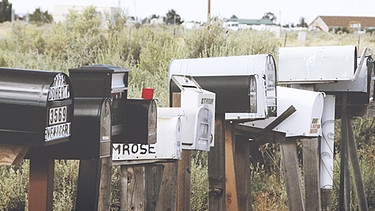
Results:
36 107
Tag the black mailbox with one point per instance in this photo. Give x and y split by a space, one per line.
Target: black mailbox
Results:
36 107
91 133
112 82
104 81
141 121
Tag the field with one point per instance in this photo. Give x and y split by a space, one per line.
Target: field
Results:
147 50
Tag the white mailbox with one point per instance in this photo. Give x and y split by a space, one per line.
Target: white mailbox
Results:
199 114
167 147
305 122
319 64
245 86
334 70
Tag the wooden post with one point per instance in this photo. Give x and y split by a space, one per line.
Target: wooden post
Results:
310 153
356 169
183 171
40 196
133 188
344 195
216 167
183 181
153 173
242 167
230 174
167 193
12 154
292 174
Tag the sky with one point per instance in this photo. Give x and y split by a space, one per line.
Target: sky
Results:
286 11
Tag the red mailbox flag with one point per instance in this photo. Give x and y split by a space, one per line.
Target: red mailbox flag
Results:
147 93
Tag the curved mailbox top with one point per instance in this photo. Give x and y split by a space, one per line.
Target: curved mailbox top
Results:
317 64
36 107
235 80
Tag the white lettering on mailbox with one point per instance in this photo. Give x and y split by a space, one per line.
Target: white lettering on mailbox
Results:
57 132
58 115
58 93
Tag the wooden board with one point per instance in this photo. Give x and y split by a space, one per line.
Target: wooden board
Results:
12 154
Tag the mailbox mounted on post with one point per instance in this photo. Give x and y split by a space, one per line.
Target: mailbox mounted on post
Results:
335 70
245 86
112 82
198 106
305 122
36 107
167 147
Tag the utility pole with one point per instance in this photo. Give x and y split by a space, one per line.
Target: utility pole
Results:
209 12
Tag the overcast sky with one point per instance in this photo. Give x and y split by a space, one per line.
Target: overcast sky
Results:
286 11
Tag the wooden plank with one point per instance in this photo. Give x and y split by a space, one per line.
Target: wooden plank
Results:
292 174
216 167
133 188
12 154
167 193
344 194
242 168
310 153
183 181
40 195
356 169
153 173
231 184
105 184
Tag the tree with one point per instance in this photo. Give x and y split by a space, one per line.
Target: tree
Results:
269 16
38 17
173 18
302 22
233 17
5 11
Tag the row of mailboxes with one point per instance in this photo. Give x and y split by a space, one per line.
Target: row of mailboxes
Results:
245 86
40 109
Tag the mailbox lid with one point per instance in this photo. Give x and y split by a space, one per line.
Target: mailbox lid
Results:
316 64
36 107
231 79
99 80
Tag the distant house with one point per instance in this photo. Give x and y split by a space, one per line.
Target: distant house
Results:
234 24
352 23
60 12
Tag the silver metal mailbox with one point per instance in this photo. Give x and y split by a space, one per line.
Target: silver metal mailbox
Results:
245 86
305 122
318 64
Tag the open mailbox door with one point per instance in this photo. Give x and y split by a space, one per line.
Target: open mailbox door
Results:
198 106
245 86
